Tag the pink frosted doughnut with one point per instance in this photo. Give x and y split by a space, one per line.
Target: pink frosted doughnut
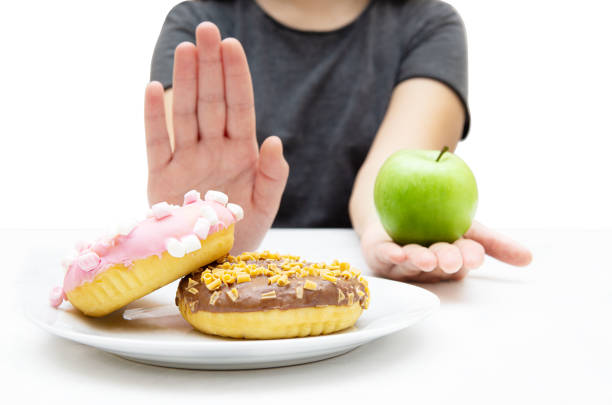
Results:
119 268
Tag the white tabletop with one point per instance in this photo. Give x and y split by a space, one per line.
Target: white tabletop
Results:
503 335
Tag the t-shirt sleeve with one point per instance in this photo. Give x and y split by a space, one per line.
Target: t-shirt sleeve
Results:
438 50
179 26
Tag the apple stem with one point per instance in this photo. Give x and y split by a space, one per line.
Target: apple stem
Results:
442 152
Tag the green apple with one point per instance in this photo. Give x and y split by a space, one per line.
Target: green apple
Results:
425 196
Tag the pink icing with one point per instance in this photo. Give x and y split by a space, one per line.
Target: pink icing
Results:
56 297
102 246
146 239
88 261
81 245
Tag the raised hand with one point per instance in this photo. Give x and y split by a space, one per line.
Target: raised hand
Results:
441 261
215 147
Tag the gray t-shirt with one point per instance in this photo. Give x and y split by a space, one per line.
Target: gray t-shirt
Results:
325 93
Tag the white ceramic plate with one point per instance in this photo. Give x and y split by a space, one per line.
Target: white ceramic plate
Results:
170 341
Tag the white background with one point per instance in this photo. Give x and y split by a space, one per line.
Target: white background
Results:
72 156
73 75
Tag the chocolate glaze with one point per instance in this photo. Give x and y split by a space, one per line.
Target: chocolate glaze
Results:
250 292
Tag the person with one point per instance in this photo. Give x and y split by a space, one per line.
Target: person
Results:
335 87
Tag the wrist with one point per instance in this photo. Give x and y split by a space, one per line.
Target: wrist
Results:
372 234
372 226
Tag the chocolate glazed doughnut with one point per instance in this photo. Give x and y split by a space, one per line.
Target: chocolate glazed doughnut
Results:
271 296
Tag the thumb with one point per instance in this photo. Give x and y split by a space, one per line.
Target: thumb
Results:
499 246
271 176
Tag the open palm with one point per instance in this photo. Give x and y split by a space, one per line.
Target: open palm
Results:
441 261
215 146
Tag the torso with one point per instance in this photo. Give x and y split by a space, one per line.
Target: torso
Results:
323 93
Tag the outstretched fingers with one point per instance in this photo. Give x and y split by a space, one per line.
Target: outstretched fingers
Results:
472 253
413 262
389 261
211 91
499 246
184 101
159 152
239 99
449 257
388 254
420 258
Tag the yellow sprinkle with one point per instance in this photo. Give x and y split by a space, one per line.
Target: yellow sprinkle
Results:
246 257
214 284
242 277
310 285
282 280
228 278
213 298
268 295
328 277
341 295
233 294
299 292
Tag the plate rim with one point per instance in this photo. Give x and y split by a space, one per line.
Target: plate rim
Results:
107 343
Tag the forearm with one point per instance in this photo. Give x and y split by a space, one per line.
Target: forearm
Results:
422 114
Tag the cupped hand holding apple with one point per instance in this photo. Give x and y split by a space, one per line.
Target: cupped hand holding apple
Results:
426 233
440 261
